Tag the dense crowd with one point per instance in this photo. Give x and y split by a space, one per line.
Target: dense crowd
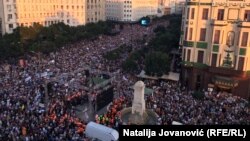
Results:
176 104
28 113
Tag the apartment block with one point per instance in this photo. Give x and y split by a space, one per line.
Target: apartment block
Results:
216 46
130 10
14 13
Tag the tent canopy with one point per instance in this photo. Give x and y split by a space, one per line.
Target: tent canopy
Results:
148 91
171 76
143 75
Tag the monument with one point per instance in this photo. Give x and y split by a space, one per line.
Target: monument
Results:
138 102
138 114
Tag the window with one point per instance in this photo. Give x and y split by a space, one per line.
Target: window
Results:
192 13
9 7
9 17
188 55
205 14
217 37
183 12
220 15
190 34
203 34
241 63
184 55
214 60
244 39
247 16
186 33
188 10
200 56
10 26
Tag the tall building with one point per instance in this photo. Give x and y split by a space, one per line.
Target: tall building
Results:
173 6
14 13
95 10
216 46
130 10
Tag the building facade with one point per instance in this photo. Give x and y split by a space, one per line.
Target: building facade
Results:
14 13
175 6
95 10
130 10
216 46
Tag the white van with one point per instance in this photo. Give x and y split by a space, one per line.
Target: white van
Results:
101 132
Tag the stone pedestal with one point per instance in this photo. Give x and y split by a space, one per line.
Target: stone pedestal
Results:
138 114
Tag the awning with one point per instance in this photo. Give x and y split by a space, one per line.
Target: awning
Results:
171 76
148 91
225 82
143 75
210 85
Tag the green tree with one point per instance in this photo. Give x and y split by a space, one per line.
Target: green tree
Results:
129 65
160 29
112 55
167 38
157 63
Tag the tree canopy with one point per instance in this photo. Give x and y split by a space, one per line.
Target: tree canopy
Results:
47 39
157 63
117 53
130 65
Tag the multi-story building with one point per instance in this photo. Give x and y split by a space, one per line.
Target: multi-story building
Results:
174 6
14 13
130 10
95 10
216 46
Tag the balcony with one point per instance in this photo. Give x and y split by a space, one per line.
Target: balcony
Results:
194 65
218 22
188 43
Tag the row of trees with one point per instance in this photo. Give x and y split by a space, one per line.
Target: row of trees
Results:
47 39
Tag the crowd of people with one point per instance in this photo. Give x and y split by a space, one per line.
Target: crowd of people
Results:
28 113
173 103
